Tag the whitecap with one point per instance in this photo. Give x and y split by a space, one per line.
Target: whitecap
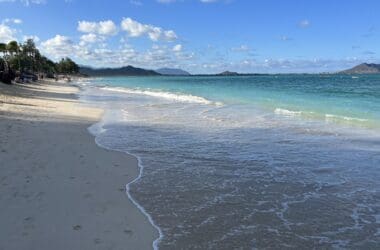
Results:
166 95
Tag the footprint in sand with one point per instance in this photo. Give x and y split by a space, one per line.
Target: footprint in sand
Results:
88 195
97 241
28 223
128 231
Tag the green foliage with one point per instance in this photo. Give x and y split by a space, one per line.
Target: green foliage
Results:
3 48
13 47
67 66
27 58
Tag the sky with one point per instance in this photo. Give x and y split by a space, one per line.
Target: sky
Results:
200 36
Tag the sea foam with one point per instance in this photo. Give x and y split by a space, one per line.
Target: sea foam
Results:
177 97
346 118
286 112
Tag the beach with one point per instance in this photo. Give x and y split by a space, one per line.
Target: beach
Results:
126 126
59 190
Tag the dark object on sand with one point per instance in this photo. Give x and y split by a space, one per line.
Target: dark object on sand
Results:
7 75
50 75
28 77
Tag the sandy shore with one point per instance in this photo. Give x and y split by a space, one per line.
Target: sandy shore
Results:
58 189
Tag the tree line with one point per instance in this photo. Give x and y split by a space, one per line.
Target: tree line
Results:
25 58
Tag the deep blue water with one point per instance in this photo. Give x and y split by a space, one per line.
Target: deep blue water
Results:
286 161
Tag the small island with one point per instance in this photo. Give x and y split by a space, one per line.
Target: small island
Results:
364 68
228 73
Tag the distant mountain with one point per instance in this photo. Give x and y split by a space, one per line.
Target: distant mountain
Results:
364 68
228 73
172 72
123 71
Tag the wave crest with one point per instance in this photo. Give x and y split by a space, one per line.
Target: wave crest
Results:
346 118
166 95
326 117
286 112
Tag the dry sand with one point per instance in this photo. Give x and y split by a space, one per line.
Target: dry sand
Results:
58 189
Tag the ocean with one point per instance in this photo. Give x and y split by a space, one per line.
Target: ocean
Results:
249 162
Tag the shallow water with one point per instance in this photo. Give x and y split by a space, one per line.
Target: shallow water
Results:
250 162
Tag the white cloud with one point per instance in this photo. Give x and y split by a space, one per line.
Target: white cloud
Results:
7 34
87 27
25 2
304 23
28 2
17 21
12 20
136 2
106 28
90 48
177 48
275 65
58 47
285 38
90 38
136 29
89 52
241 48
62 46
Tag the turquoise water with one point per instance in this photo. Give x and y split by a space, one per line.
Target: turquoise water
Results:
278 162
340 98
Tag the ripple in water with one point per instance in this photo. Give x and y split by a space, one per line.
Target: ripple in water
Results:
212 181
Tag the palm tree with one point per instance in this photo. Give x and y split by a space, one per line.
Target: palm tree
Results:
30 50
3 48
13 47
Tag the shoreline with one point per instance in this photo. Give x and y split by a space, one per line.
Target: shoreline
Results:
130 197
60 189
127 186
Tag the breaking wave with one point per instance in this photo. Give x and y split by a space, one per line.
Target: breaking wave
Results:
177 97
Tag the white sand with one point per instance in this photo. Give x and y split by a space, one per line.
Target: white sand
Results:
58 189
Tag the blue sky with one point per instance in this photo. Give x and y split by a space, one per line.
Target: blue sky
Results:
201 36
